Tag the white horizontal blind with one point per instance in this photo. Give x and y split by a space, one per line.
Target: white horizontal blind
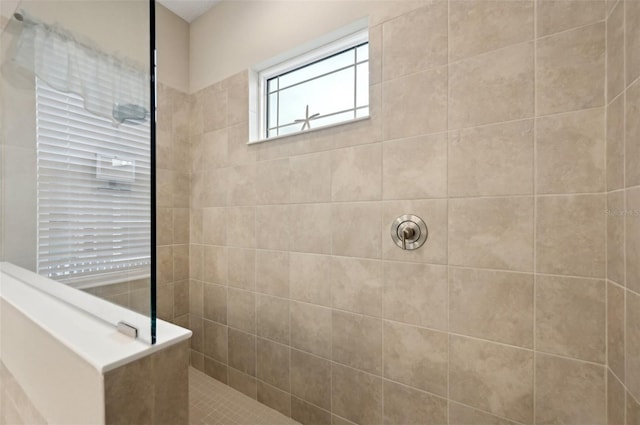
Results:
93 192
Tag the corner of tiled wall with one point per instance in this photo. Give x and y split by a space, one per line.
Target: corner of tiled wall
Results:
623 212
504 128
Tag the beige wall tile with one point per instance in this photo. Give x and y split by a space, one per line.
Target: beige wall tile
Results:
215 264
214 190
434 214
463 415
165 264
615 400
417 357
238 99
238 150
181 225
480 26
415 41
242 382
311 329
632 229
241 228
272 315
180 260
356 229
415 168
404 405
569 392
492 160
570 235
214 109
356 173
571 317
615 52
273 363
491 232
164 304
492 377
492 305
492 87
357 341
561 15
272 182
408 112
311 378
310 224
164 226
181 302
242 352
241 310
570 152
570 70
633 410
632 354
242 184
272 273
215 341
195 225
241 268
356 396
214 151
632 40
615 144
306 413
196 303
310 178
215 303
615 237
309 276
615 329
632 134
274 398
356 285
196 325
273 227
375 54
416 294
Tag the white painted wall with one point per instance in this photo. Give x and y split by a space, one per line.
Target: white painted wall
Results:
172 43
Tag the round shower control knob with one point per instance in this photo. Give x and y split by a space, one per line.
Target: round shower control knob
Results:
409 232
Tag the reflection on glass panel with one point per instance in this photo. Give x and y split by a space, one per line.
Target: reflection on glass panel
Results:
325 95
272 85
318 68
363 112
362 53
362 85
272 111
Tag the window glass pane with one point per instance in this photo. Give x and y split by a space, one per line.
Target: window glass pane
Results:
362 88
361 113
331 93
272 85
272 111
332 119
363 53
315 69
289 129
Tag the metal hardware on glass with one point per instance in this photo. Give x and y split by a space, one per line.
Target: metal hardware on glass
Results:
127 329
409 232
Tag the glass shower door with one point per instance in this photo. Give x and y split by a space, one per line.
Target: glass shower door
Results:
77 154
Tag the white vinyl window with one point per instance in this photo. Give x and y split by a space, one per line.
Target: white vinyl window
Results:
93 193
325 86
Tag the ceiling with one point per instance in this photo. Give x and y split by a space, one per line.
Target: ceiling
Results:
188 10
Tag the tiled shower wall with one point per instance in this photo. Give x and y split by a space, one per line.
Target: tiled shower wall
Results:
623 211
488 121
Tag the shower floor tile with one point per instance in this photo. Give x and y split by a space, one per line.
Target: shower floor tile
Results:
213 403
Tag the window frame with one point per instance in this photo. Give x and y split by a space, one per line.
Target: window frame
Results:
294 62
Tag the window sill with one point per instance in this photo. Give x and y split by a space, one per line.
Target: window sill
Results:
311 130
